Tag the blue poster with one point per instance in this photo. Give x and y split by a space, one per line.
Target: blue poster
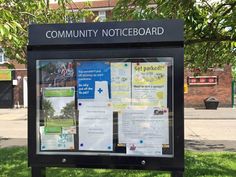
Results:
93 80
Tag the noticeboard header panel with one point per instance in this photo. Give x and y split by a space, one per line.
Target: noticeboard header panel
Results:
106 33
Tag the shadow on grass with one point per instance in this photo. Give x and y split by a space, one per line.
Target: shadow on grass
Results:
13 163
59 172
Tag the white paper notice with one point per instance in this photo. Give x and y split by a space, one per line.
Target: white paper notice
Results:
95 126
147 126
56 142
149 84
101 91
120 85
69 130
144 149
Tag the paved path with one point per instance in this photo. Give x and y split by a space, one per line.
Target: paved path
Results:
211 114
210 135
210 130
205 130
13 127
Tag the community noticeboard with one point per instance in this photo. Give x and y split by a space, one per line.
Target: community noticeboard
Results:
106 104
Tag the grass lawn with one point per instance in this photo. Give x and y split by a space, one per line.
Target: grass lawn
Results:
60 122
13 163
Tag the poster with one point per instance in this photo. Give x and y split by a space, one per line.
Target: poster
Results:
58 108
95 111
120 85
144 126
94 80
95 126
149 84
56 141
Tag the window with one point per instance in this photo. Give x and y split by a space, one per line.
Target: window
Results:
70 19
2 58
82 20
102 16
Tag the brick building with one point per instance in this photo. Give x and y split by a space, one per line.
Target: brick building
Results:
13 84
221 89
102 9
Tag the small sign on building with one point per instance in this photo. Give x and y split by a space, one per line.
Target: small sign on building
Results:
202 80
5 75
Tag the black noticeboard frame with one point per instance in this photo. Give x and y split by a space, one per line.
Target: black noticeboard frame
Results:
166 45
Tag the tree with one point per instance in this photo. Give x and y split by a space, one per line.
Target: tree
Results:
68 111
210 31
15 17
48 110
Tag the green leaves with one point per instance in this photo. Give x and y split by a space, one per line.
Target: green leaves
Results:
208 40
15 17
3 30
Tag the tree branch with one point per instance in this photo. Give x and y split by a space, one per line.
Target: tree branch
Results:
226 4
205 1
194 41
228 10
211 24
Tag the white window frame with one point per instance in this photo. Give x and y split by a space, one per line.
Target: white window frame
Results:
83 20
2 57
71 20
102 15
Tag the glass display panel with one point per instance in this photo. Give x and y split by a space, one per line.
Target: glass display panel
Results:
114 106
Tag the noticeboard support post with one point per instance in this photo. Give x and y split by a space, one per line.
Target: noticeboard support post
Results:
38 171
177 174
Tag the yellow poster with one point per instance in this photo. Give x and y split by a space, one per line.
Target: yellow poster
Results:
149 84
185 88
120 85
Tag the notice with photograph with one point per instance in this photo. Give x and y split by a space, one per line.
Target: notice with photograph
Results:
120 85
95 126
56 73
58 108
56 141
144 126
149 84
